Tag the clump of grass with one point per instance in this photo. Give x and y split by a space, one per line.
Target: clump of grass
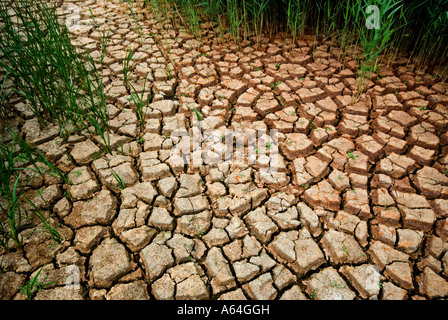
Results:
33 155
59 81
16 157
47 227
11 189
4 95
12 213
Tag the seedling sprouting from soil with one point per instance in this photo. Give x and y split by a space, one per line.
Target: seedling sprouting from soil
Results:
198 114
334 284
119 179
352 156
275 85
167 135
30 288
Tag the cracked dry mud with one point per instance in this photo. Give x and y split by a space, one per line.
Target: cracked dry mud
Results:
360 191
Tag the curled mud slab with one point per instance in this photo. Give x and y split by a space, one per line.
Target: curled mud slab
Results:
356 205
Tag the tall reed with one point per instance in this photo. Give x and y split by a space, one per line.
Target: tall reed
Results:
374 41
430 52
296 18
235 19
257 9
214 10
418 29
189 12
